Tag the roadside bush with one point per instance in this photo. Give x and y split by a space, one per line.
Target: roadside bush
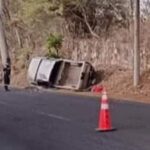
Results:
54 43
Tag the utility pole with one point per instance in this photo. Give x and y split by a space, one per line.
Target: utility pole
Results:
136 76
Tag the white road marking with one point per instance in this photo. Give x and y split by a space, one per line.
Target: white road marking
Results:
53 116
104 106
4 103
42 113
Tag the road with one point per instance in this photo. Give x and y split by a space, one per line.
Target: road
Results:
49 121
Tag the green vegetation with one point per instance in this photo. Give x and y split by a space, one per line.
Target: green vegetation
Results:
83 17
32 11
33 20
54 43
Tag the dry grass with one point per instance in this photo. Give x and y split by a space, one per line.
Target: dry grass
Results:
119 83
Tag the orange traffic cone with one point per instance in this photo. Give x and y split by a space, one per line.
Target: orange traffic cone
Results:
104 123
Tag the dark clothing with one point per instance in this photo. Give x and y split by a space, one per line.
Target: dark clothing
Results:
7 72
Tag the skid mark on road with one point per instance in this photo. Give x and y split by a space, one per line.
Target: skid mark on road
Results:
53 116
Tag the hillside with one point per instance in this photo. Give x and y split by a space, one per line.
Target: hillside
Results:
107 45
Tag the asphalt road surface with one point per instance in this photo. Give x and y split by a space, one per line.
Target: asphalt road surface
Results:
49 121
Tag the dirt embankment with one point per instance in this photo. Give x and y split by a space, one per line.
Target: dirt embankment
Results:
119 83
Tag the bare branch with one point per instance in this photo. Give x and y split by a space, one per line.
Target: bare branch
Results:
88 25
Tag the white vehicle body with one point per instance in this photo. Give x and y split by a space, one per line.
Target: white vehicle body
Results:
60 73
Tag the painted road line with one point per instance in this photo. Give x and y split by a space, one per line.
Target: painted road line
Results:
4 103
53 116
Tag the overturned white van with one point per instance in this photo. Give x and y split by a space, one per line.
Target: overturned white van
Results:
61 73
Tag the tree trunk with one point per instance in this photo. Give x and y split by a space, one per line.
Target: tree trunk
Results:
4 49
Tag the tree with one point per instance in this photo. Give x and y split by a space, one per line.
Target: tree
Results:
4 50
146 8
83 17
92 17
